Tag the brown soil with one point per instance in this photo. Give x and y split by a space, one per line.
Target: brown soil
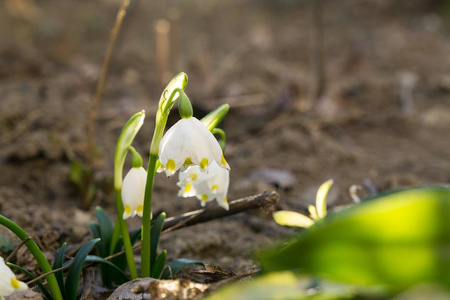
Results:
254 55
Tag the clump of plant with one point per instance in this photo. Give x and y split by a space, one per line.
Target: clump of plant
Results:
188 146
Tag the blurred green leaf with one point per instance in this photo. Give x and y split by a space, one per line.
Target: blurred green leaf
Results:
5 244
73 275
58 263
159 264
396 241
156 229
94 258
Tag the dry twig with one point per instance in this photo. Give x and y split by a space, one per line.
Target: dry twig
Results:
102 79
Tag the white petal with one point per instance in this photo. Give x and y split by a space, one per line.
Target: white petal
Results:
189 138
7 278
133 190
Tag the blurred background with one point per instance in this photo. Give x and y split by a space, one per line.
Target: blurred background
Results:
357 91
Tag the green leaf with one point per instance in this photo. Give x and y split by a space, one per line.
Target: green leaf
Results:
159 265
126 137
45 292
106 233
396 241
216 116
177 265
94 258
58 263
156 229
95 229
73 275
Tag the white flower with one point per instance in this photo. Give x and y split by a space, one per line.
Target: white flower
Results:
205 186
295 219
133 190
8 282
189 142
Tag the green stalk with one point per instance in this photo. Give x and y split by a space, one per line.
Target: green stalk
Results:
161 120
38 255
125 235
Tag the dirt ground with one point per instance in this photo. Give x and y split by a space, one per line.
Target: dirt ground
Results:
383 121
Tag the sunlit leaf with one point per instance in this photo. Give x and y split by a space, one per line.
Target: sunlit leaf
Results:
292 218
397 240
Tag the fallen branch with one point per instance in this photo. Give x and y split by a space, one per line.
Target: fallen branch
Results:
267 201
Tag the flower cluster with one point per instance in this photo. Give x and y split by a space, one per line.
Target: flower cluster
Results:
205 186
190 147
8 281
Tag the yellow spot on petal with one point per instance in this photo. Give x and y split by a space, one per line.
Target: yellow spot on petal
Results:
204 163
223 161
188 162
187 188
139 208
225 200
194 177
214 187
170 165
15 283
204 197
127 209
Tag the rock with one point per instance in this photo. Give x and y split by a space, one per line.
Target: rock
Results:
27 294
149 288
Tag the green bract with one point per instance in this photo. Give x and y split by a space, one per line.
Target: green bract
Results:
216 116
397 240
178 82
126 137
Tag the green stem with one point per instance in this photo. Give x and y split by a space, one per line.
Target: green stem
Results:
38 255
146 220
160 125
125 236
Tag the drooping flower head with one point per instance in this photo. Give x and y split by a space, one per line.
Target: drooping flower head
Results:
205 186
189 142
8 282
133 190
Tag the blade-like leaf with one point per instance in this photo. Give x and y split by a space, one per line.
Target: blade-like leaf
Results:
159 265
177 265
106 232
94 258
397 240
156 229
45 292
216 116
58 263
73 275
126 137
